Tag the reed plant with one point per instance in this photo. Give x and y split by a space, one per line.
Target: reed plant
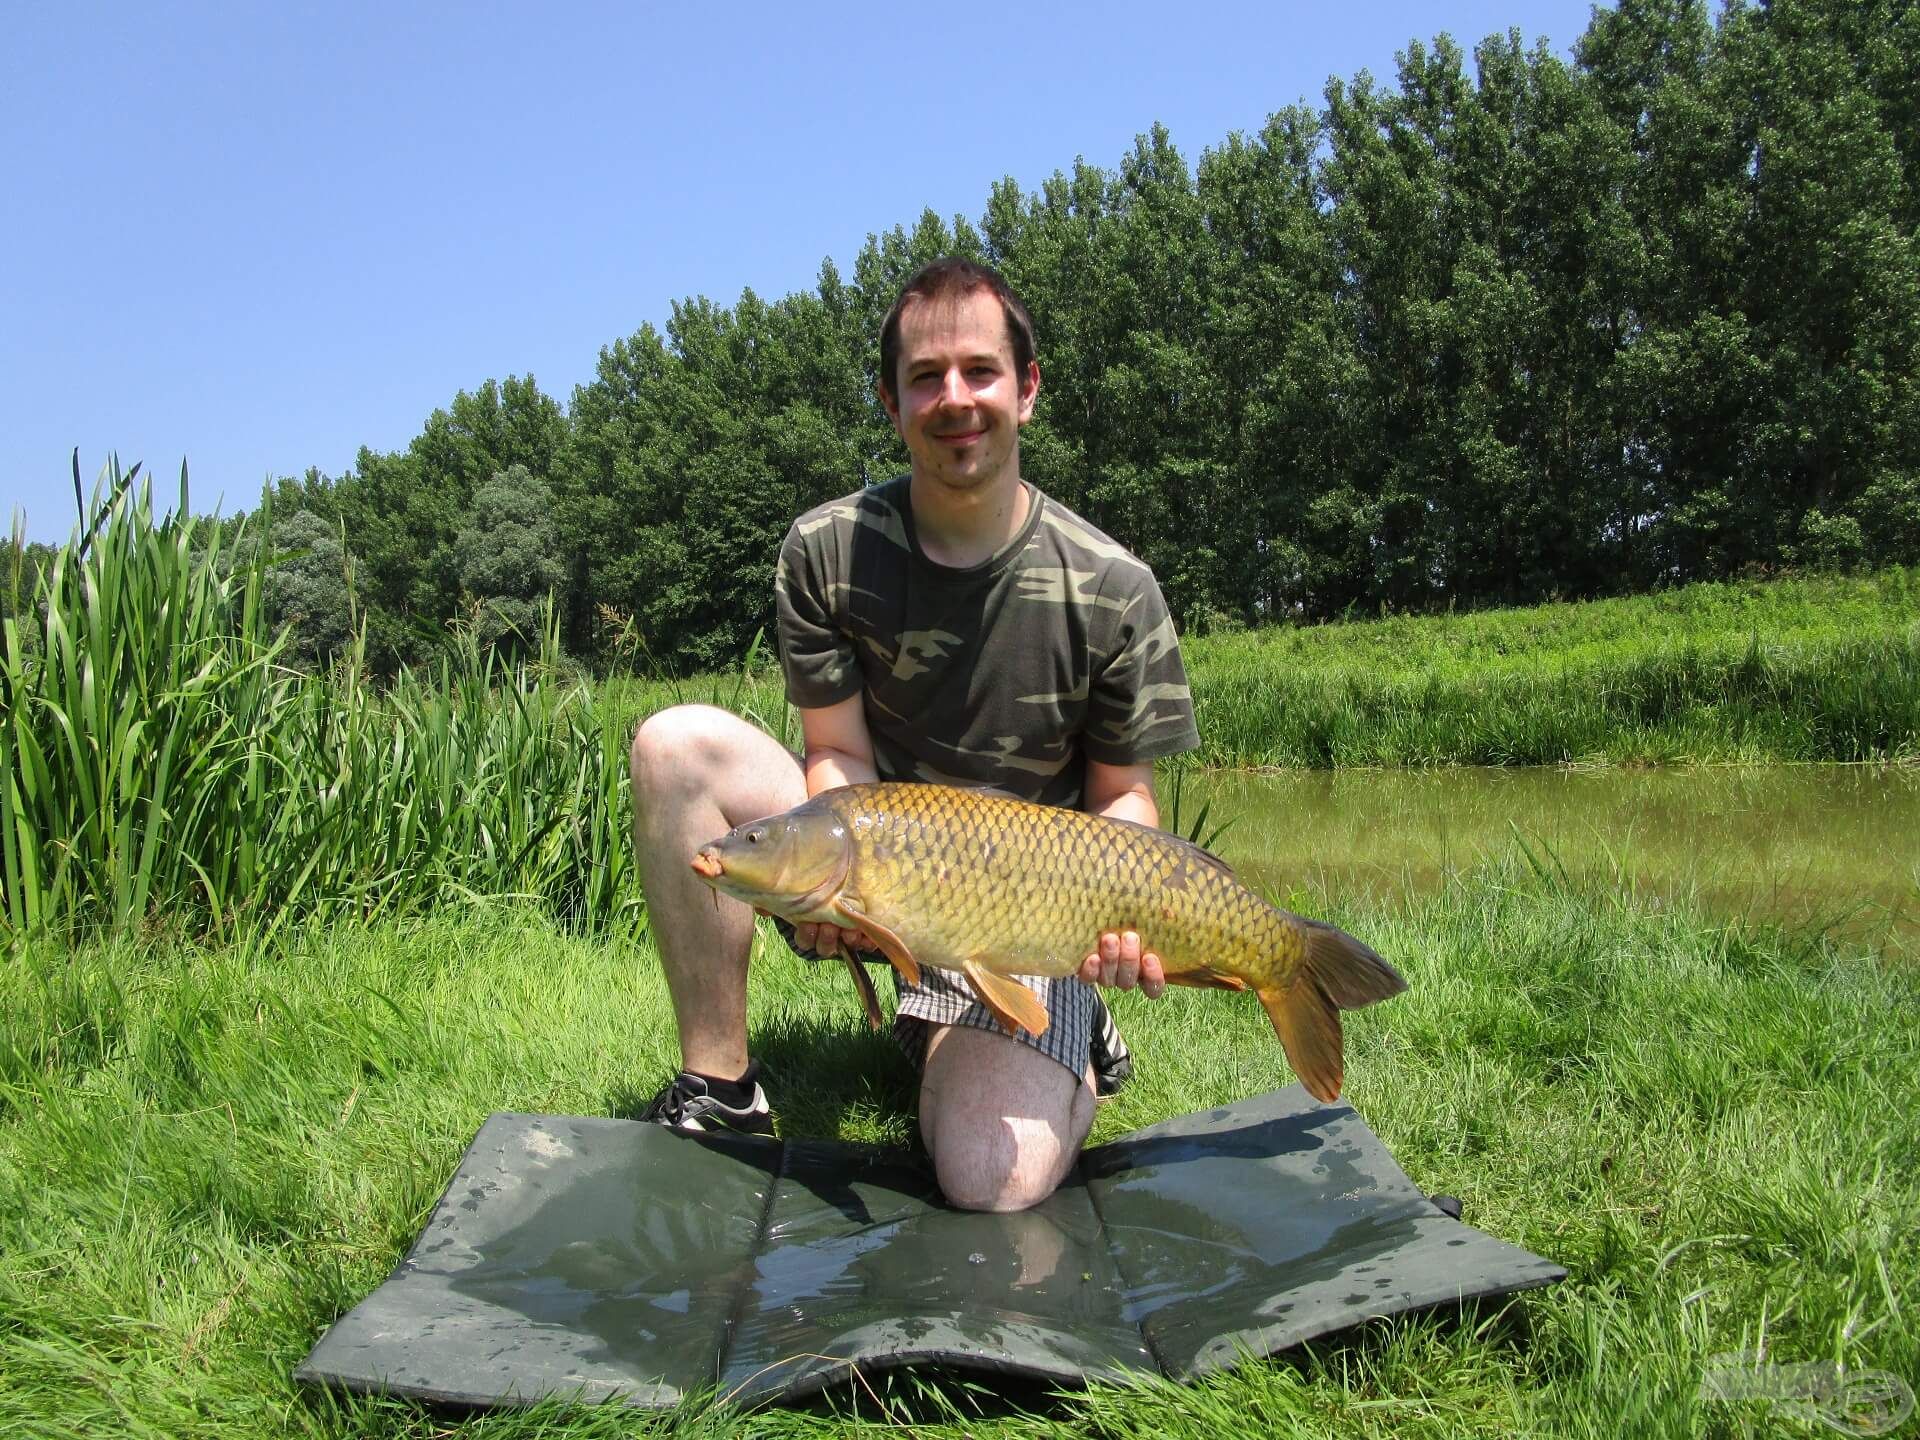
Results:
208 1152
162 764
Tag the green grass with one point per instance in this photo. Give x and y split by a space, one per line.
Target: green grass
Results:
1810 669
207 1153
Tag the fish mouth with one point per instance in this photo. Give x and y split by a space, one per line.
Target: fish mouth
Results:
706 864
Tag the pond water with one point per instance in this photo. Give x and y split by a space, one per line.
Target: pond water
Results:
1836 845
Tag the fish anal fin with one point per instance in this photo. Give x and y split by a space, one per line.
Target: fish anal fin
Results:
1308 1024
890 944
1013 1004
1203 978
863 984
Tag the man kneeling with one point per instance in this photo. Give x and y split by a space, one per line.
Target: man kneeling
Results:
952 625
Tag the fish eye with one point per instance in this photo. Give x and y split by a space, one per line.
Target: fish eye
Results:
756 835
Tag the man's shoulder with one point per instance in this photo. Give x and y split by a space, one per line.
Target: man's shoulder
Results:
875 507
1084 546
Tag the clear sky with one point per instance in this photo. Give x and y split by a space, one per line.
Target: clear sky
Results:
259 236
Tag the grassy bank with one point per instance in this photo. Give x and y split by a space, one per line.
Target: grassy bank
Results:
1820 668
206 1154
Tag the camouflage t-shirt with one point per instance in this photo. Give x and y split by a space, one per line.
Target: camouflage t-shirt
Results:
1009 673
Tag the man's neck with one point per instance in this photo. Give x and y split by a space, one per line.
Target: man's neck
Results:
963 528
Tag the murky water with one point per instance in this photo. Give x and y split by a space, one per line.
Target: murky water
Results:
1837 845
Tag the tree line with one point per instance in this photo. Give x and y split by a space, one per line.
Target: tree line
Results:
1513 326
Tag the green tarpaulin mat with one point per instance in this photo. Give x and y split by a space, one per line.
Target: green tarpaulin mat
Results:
612 1259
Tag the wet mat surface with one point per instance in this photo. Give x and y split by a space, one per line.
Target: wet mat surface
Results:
614 1259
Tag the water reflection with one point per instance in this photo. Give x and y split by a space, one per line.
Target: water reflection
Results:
1835 845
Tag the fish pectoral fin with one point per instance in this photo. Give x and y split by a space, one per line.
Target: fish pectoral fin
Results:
1204 978
863 984
1013 1004
891 945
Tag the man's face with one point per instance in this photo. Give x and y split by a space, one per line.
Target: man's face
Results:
961 402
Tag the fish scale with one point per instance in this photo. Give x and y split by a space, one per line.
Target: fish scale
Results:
991 887
1037 884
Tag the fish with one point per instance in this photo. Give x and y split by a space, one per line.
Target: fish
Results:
989 887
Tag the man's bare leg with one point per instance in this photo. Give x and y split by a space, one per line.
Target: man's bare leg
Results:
1003 1123
697 772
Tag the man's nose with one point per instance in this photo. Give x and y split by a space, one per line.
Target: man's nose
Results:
953 388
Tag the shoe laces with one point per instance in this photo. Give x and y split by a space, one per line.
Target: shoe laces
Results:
673 1103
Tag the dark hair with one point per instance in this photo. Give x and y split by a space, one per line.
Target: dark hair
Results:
951 277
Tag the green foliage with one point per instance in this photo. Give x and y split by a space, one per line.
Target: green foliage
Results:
309 587
128 733
1809 670
402 511
158 764
508 555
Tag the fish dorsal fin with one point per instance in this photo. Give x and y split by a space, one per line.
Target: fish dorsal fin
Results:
1190 850
1177 843
1013 1004
996 791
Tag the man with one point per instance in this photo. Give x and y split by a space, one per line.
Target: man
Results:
952 625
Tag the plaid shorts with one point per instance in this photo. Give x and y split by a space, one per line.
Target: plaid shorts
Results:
943 999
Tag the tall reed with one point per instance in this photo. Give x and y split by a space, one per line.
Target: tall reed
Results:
159 759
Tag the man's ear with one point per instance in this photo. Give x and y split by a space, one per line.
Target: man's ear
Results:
888 402
1029 390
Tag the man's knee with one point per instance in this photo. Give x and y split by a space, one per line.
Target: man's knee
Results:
682 744
993 1163
1002 1121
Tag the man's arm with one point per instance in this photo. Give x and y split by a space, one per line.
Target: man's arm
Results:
839 751
1122 792
839 746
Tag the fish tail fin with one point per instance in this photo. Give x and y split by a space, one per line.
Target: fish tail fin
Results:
1336 973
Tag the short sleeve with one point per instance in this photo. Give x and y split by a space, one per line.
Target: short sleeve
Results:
816 654
1139 705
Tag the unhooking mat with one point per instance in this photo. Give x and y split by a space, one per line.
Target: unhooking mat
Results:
599 1259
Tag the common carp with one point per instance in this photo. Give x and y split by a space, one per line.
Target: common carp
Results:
988 886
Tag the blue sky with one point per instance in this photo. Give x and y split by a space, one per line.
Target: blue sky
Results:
261 236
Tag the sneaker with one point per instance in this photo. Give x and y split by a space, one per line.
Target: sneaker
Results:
1112 1065
687 1104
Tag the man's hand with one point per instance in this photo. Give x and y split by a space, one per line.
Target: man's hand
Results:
1123 961
828 940
825 940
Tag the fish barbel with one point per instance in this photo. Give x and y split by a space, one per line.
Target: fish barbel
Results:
988 886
